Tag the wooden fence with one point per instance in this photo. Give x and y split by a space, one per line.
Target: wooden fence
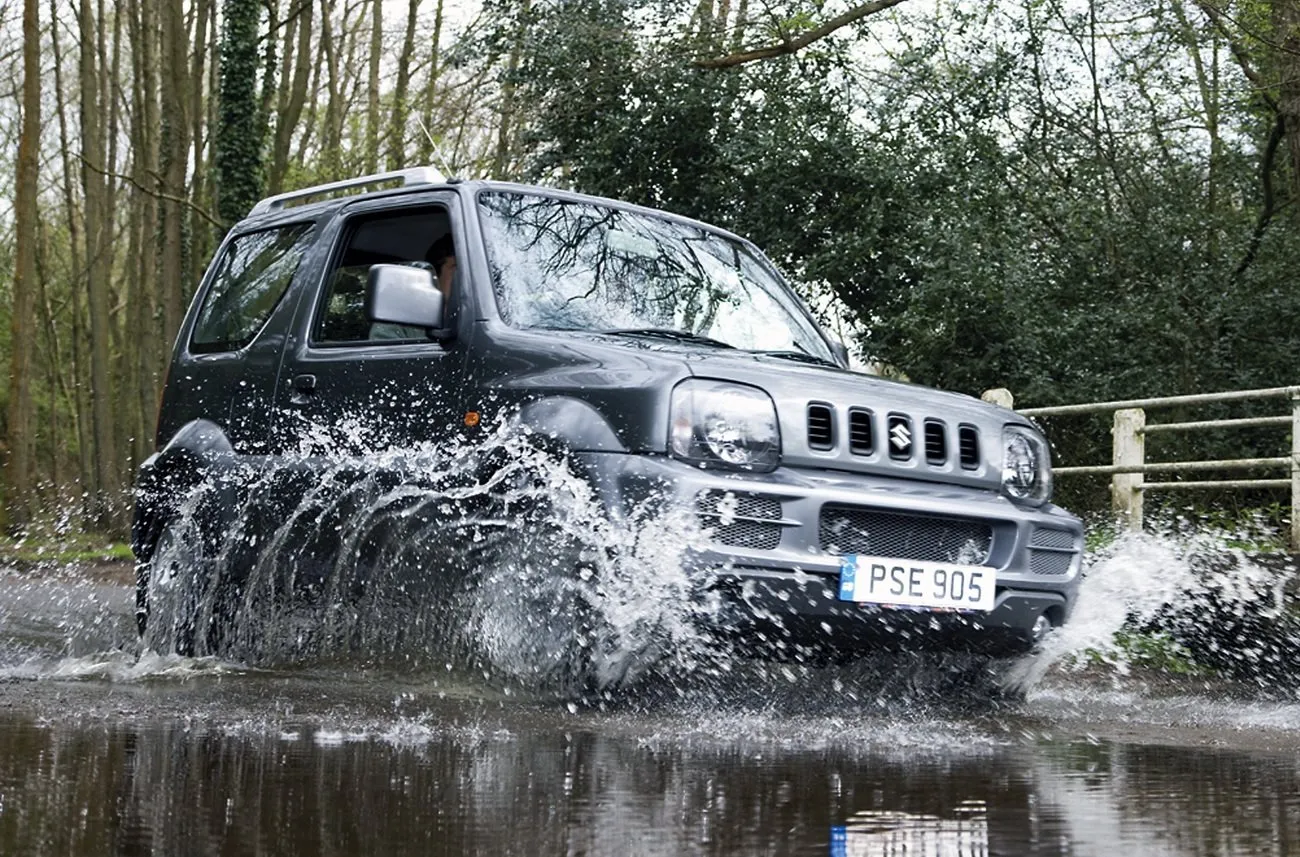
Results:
1128 468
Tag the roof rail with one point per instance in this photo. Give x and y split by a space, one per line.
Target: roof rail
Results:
411 176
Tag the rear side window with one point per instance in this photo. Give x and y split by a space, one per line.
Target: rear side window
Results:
252 276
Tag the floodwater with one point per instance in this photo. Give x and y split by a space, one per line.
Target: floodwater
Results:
106 749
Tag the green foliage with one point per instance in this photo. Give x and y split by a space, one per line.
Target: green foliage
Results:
984 219
65 549
1153 651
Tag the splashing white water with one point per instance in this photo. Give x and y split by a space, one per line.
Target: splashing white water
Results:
124 667
495 553
1195 583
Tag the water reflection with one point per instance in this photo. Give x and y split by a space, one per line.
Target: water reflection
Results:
574 786
872 833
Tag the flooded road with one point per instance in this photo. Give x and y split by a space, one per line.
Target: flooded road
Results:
104 750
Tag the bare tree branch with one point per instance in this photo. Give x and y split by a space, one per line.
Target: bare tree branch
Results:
1238 51
157 194
790 46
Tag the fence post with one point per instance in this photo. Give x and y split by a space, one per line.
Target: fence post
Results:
1295 473
1129 450
1000 396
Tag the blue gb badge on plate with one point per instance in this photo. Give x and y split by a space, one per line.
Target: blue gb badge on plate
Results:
848 576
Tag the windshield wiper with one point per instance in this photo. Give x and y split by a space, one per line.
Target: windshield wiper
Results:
668 333
801 356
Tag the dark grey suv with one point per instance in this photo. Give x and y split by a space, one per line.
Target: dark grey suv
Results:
661 358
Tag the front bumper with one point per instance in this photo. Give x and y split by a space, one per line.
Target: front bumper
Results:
778 575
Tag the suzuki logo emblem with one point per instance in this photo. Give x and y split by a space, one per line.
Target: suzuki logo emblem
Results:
900 437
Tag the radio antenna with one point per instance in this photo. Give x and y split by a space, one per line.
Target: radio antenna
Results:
437 150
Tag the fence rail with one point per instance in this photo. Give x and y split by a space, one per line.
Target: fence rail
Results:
1129 467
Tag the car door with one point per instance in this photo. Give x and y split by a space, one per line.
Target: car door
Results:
227 356
346 389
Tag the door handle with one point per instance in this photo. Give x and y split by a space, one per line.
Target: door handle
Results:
304 386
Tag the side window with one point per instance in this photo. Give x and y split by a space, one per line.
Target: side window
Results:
416 236
252 276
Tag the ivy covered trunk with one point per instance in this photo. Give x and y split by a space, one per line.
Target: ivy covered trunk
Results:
238 141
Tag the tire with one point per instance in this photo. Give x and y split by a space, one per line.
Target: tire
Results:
180 608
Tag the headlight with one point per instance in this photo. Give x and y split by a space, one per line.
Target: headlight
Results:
1026 465
724 425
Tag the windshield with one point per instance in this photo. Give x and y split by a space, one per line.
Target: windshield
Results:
562 265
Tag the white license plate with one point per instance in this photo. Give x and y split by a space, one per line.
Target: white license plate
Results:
911 583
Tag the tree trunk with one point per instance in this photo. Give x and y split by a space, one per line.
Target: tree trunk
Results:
309 124
174 150
200 236
431 88
501 167
124 417
331 136
1286 20
237 145
270 62
292 93
80 407
401 92
145 299
18 483
372 88
104 491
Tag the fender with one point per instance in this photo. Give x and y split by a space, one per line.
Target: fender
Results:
571 422
167 476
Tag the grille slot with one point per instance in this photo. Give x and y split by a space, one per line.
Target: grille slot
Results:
936 442
857 529
1049 562
821 427
862 440
968 446
1046 537
741 520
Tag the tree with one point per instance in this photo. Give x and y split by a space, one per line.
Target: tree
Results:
239 137
18 483
106 478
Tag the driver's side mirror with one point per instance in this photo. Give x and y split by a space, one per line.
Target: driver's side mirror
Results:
405 296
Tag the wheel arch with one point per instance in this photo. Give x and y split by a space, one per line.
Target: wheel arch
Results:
168 476
570 424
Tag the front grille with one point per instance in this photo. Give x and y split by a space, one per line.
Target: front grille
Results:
968 444
821 427
903 437
861 438
855 529
1049 562
936 443
740 520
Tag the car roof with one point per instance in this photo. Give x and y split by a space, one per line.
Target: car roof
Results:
275 209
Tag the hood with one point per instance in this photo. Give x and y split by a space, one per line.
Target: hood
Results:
829 418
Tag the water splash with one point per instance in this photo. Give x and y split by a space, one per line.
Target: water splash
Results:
496 554
118 667
1197 597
